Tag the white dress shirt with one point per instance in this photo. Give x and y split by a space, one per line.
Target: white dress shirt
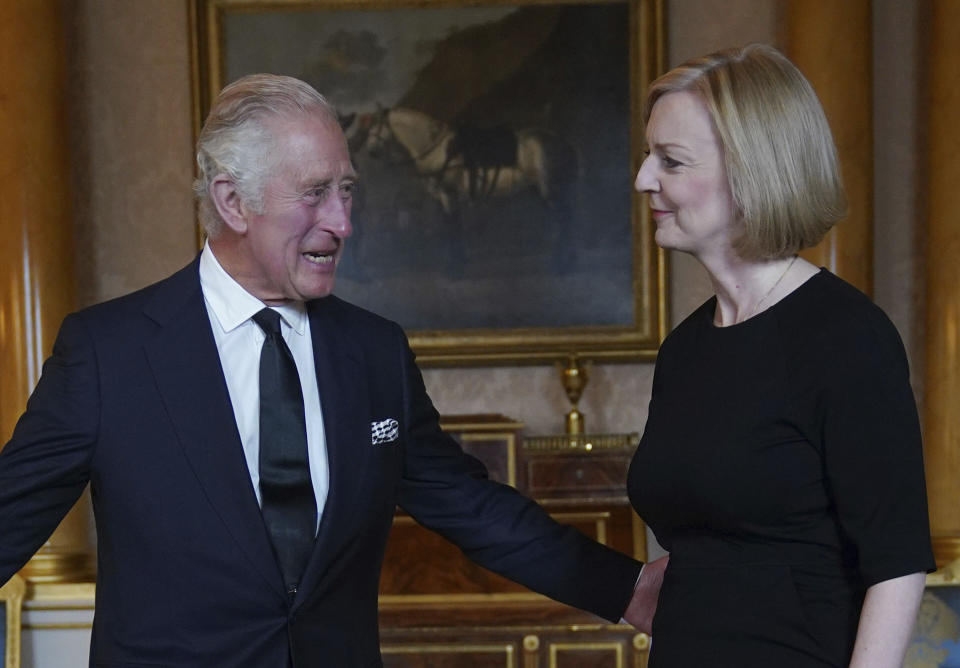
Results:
239 340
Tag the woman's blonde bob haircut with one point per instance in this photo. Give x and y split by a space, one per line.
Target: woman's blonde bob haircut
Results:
780 158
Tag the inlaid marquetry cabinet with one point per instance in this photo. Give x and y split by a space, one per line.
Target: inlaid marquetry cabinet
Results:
439 610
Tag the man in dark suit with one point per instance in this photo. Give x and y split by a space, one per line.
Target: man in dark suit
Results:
242 515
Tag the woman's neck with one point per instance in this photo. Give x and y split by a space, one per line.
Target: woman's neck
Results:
745 288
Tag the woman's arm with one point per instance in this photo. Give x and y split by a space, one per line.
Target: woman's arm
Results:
886 622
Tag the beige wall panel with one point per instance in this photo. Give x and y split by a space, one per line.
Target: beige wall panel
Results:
697 27
897 253
614 401
831 44
942 381
131 137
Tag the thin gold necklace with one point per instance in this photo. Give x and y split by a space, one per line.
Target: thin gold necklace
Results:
756 309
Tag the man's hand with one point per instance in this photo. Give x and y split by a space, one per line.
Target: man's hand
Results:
643 605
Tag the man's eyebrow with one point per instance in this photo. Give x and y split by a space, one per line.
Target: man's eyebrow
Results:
329 180
316 183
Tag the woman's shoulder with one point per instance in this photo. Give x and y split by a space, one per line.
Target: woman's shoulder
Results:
833 304
834 320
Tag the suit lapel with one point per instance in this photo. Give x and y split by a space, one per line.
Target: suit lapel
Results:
344 400
186 366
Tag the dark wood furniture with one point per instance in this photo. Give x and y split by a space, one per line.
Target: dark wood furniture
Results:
439 610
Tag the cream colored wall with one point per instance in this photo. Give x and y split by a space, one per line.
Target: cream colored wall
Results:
130 91
898 161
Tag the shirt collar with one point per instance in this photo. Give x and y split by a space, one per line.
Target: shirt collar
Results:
232 305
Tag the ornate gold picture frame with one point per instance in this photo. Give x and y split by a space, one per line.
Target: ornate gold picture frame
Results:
496 144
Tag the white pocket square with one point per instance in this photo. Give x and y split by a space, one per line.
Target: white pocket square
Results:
384 431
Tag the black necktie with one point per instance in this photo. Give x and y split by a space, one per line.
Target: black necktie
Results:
286 492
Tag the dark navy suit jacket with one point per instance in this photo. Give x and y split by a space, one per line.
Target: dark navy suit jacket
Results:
133 401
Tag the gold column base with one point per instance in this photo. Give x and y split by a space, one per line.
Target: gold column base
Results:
946 550
53 564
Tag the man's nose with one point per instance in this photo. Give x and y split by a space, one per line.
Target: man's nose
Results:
337 218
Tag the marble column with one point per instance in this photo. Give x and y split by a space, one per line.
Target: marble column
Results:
942 379
36 237
831 44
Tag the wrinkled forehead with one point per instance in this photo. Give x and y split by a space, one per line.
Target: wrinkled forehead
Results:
280 124
309 147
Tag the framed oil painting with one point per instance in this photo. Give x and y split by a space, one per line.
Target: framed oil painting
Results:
496 144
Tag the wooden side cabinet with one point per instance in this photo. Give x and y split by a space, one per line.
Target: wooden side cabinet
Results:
439 610
570 646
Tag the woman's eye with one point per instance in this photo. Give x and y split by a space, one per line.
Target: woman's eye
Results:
670 163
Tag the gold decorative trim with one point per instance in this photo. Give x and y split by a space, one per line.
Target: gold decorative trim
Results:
61 595
557 648
580 442
523 629
458 600
550 502
945 576
531 651
12 594
57 626
639 537
508 650
59 565
479 422
946 550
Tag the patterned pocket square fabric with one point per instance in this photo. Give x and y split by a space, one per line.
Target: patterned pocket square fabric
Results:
385 431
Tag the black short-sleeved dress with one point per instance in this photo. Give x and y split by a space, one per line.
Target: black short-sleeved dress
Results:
781 466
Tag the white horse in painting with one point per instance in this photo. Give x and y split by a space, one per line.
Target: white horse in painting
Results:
463 165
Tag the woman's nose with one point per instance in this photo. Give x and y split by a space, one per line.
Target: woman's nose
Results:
646 180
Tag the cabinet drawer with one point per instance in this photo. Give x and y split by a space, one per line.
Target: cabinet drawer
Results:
558 475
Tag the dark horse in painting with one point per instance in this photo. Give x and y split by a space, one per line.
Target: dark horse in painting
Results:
463 167
462 164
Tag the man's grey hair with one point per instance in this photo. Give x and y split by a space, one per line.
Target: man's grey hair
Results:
235 139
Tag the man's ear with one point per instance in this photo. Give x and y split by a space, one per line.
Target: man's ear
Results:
226 198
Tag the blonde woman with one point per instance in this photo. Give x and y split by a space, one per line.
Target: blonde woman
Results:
781 465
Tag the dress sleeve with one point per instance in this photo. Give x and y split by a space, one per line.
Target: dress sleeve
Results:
46 464
872 449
